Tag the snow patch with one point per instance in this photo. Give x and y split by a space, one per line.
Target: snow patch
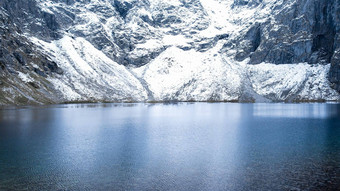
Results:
25 77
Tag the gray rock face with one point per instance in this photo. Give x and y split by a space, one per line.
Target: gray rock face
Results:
306 33
334 75
31 18
17 53
299 31
20 56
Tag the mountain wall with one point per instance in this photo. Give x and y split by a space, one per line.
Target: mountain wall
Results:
55 51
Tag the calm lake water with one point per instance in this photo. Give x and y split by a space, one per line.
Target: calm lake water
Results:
185 146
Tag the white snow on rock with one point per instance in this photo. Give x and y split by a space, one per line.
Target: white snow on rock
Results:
25 77
179 75
191 76
89 74
289 82
183 70
194 76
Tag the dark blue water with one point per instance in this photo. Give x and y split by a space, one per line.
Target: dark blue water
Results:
200 146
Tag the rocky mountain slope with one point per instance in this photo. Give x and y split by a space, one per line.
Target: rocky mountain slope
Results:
56 51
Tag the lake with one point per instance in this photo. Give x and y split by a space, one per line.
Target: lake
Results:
184 146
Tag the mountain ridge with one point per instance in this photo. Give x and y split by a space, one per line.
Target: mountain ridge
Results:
180 50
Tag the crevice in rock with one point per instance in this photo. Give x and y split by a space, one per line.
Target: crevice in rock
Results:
257 39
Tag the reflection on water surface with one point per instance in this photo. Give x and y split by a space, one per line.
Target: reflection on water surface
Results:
184 146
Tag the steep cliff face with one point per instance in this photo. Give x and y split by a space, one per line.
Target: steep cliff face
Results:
334 74
183 50
23 68
30 18
298 31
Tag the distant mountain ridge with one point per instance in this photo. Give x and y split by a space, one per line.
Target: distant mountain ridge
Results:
55 51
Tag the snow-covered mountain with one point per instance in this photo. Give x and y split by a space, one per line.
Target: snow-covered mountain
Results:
169 50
